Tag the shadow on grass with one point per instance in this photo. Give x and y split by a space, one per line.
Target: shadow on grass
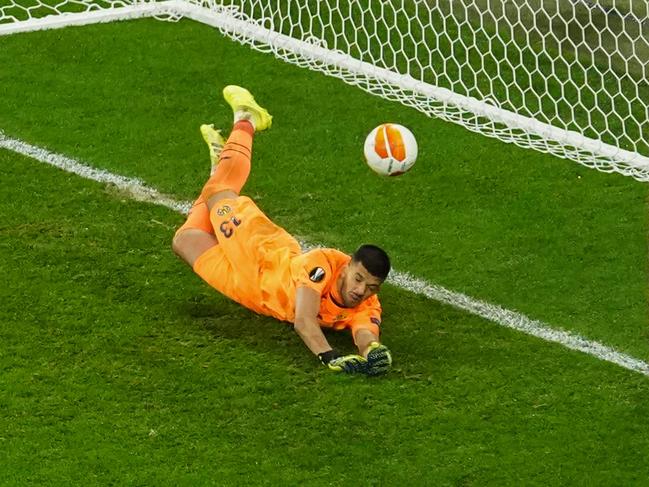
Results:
423 335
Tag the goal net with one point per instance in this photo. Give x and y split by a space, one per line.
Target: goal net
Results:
567 77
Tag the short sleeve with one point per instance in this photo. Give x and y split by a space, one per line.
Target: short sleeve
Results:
313 270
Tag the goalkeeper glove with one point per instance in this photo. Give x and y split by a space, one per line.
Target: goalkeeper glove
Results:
379 359
351 364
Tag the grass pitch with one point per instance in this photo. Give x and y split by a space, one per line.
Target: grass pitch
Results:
120 366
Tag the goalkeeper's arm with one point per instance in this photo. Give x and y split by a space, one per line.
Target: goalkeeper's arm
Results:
307 306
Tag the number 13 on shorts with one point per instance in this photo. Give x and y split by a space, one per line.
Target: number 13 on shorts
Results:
228 226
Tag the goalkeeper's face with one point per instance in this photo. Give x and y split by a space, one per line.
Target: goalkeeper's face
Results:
356 284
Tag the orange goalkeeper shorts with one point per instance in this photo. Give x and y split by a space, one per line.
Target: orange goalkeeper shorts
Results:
248 242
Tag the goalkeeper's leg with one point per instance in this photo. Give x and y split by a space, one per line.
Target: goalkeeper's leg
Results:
196 235
233 168
228 176
215 143
199 216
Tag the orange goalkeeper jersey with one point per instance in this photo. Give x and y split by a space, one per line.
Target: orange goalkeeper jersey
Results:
319 270
260 265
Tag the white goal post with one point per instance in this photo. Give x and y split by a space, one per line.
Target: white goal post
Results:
567 77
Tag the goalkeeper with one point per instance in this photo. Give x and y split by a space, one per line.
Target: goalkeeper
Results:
236 249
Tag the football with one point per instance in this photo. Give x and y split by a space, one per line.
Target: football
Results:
390 149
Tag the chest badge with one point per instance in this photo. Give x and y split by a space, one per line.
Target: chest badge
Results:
317 274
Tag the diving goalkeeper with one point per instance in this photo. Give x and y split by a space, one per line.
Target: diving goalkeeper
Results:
237 250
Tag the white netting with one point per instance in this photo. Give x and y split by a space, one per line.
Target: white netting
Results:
565 77
24 10
561 76
29 15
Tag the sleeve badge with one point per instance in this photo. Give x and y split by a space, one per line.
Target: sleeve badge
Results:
317 274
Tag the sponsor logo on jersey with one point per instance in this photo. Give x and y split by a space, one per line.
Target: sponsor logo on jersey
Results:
224 210
317 274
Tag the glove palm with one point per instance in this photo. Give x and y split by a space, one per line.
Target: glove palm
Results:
379 359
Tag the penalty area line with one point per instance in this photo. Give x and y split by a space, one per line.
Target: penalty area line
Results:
139 191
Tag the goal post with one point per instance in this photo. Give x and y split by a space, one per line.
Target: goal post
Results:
567 77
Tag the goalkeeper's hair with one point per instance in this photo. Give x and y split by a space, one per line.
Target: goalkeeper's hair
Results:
374 259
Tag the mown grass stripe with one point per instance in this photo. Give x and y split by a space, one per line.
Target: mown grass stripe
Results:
139 191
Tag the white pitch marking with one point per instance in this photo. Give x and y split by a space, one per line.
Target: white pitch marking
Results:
132 186
496 314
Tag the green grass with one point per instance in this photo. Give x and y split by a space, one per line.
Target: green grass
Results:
119 366
528 231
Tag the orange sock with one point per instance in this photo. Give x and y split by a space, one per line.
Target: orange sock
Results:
234 163
198 218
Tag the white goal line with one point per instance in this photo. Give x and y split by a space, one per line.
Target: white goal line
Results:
139 191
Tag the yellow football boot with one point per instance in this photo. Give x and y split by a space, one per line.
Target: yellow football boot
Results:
215 142
245 107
